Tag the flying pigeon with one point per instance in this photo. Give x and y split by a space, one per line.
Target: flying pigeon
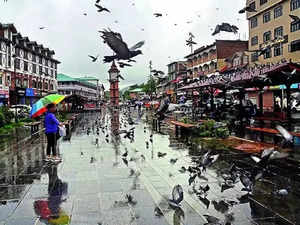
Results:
42 28
94 59
247 9
225 27
295 19
177 197
115 42
122 65
85 14
157 14
290 75
288 138
101 9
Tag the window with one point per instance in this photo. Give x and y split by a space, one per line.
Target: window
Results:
254 57
17 52
33 84
25 55
263 2
0 58
278 50
17 62
253 22
295 4
254 40
46 71
277 12
267 36
40 60
34 68
40 70
295 46
267 17
9 61
278 32
33 58
25 66
25 83
252 5
46 86
295 26
267 54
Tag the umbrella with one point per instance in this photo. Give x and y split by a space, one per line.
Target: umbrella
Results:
39 107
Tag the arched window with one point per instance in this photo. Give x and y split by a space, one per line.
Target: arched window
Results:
33 84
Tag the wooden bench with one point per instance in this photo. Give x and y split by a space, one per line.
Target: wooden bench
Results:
179 126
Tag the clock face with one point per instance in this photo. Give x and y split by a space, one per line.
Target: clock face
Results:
114 76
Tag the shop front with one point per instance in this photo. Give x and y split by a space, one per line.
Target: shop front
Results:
21 95
4 96
30 95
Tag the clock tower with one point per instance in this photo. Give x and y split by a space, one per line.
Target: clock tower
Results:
114 96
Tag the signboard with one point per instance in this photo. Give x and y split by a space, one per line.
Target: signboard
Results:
21 92
29 92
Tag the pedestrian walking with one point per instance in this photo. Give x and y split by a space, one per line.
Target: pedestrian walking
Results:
51 131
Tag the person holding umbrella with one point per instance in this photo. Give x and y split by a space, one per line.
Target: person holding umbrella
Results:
51 131
47 105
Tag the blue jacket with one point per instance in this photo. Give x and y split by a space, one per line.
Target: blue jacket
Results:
51 123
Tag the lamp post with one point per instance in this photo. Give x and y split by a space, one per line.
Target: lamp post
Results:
15 84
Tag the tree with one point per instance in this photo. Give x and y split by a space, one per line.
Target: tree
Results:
150 86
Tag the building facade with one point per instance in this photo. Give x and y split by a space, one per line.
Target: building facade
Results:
272 28
210 59
28 70
176 73
70 86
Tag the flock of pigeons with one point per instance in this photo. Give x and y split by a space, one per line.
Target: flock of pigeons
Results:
197 171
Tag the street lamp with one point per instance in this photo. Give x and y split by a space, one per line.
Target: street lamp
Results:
15 80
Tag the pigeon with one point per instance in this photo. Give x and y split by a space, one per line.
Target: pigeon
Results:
85 14
94 59
158 212
192 179
97 1
203 190
173 161
143 157
208 160
157 14
288 138
101 9
125 161
247 183
247 9
116 43
225 27
267 155
42 28
160 154
295 19
281 192
289 75
212 219
122 65
182 169
177 197
130 199
125 154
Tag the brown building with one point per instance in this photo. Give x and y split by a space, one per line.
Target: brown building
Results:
28 70
210 59
271 26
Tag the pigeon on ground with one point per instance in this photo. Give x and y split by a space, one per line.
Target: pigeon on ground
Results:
247 182
160 154
177 197
173 161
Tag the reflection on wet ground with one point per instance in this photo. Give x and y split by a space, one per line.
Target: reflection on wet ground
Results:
102 184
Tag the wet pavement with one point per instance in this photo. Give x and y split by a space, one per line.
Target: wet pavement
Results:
91 184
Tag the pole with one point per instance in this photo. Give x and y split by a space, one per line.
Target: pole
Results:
288 98
15 78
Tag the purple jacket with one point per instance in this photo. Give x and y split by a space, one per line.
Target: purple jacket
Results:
51 123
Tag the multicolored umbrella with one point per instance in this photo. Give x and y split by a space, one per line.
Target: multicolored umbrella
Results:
40 106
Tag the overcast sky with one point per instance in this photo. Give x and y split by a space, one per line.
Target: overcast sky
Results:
73 36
